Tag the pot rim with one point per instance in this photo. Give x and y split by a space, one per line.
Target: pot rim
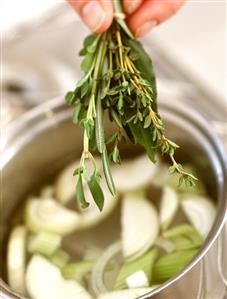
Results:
48 109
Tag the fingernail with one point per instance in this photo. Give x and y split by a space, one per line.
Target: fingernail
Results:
93 15
133 5
145 28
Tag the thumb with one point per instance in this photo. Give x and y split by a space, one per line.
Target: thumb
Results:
96 14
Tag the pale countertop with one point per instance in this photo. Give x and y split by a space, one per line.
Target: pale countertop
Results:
195 37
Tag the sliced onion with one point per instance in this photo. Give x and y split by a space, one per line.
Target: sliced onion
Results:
169 206
140 225
65 183
49 215
126 294
97 275
16 257
44 281
133 174
200 212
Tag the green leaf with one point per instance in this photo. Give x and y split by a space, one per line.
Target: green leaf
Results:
80 193
144 137
145 66
88 124
116 118
116 155
76 113
96 190
70 97
147 122
107 172
89 40
87 62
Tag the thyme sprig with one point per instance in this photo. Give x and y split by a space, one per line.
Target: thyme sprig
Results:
119 79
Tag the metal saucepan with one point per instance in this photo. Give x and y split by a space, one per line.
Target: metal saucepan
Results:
43 140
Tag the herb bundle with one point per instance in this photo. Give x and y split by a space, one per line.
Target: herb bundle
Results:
118 79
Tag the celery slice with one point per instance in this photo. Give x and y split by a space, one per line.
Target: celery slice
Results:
184 230
170 264
184 243
60 258
165 244
77 270
143 263
45 243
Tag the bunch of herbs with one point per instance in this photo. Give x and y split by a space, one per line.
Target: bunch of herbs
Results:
119 80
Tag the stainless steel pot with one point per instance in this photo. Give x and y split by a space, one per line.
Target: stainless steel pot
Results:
42 141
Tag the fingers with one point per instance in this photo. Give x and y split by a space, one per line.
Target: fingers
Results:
131 5
97 14
151 13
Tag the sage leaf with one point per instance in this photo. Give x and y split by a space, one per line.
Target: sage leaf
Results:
96 190
80 193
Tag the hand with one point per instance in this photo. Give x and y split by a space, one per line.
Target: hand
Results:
142 15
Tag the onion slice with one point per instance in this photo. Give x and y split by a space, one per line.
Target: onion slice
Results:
16 256
169 206
140 225
133 174
44 281
97 275
200 212
48 215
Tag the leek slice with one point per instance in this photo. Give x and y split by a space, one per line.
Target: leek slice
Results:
169 206
140 225
172 263
126 294
133 174
16 256
200 212
77 270
49 215
143 263
45 243
44 281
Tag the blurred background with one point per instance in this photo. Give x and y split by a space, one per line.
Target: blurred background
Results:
41 40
